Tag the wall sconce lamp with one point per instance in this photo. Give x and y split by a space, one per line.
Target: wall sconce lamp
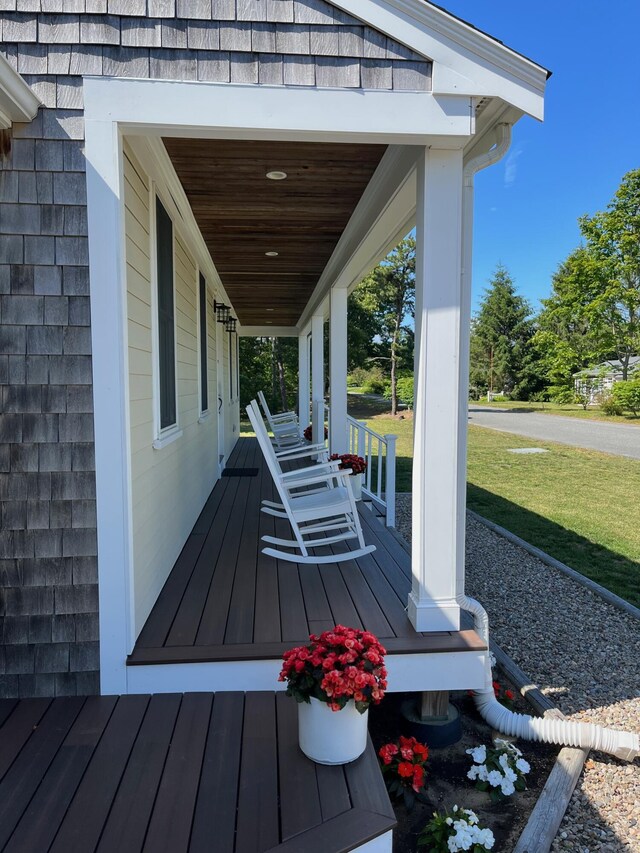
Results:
223 312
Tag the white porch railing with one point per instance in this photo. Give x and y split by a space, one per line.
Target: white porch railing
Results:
379 451
380 454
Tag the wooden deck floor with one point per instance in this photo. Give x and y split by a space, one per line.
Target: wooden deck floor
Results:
225 600
203 772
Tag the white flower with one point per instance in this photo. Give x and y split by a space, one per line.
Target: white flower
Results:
452 844
492 659
449 821
503 760
510 774
463 836
473 773
479 754
454 809
507 787
472 817
495 778
522 765
483 773
485 837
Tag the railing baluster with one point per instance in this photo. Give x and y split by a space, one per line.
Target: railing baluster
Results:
390 480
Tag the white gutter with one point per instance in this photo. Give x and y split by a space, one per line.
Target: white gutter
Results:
17 101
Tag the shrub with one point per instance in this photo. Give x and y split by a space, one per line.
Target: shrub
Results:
357 377
405 390
627 395
561 394
375 386
609 405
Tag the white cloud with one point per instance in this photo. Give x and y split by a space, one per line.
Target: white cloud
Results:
511 166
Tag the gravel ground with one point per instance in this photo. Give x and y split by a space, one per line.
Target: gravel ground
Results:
584 654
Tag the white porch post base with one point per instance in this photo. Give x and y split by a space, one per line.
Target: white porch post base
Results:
441 615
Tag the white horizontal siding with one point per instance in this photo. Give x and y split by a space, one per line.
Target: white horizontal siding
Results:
169 486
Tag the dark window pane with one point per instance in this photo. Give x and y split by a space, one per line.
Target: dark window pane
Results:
230 367
166 333
204 390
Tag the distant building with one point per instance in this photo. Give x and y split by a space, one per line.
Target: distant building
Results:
602 377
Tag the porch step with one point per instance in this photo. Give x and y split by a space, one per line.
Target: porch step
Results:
175 773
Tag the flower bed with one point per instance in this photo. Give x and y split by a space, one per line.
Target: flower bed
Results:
447 782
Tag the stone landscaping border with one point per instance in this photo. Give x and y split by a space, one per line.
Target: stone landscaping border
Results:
608 596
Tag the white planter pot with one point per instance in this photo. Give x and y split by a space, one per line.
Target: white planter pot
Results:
331 737
356 486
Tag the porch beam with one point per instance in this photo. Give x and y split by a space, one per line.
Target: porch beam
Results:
209 111
338 370
317 376
268 331
304 378
439 448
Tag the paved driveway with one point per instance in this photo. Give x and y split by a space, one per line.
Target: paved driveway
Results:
619 439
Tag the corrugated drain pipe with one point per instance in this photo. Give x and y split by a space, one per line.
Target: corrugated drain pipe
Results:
623 745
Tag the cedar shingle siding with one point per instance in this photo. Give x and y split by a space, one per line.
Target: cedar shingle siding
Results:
48 564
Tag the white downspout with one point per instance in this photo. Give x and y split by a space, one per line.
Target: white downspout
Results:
623 745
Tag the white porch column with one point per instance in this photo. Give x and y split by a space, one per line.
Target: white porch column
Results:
303 378
338 370
439 440
317 376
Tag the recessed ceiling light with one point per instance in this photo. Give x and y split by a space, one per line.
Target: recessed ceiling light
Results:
276 175
271 309
270 322
271 254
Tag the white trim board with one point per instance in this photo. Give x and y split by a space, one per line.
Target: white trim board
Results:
406 672
223 110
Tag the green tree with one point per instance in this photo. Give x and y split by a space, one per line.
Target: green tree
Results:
593 314
362 330
500 333
269 365
613 242
387 295
565 340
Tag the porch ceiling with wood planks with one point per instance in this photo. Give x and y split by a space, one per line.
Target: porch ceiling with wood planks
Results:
242 214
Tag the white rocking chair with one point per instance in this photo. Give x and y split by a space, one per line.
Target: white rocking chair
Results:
324 514
319 451
284 426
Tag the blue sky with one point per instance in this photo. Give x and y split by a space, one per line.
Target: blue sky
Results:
526 207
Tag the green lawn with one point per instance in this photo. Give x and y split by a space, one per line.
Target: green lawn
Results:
580 506
568 411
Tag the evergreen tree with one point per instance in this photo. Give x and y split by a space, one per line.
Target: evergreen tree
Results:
500 334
